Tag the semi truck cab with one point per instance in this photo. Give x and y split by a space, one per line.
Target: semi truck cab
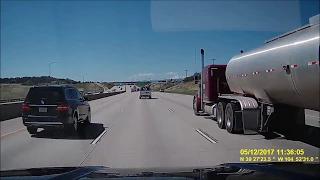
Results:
214 84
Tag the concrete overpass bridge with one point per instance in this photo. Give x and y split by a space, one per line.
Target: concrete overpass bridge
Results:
124 83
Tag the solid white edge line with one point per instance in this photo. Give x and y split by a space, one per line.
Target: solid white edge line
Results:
102 134
98 138
205 136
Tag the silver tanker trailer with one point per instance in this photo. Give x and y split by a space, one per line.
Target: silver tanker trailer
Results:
270 86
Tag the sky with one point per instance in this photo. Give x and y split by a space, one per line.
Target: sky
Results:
137 40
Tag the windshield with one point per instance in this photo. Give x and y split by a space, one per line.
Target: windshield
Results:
229 81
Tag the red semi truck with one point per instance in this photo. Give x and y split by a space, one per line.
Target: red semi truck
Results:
270 86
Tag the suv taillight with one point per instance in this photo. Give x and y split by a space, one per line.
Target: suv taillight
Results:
63 107
26 107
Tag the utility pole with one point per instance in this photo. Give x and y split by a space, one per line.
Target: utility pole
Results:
213 59
83 77
186 73
50 67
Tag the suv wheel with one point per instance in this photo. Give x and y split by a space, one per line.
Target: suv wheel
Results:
87 121
32 130
73 128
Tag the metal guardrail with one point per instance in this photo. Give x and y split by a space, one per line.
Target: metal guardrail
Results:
22 99
11 100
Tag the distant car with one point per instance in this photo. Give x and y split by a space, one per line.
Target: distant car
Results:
89 93
161 90
55 106
145 92
81 92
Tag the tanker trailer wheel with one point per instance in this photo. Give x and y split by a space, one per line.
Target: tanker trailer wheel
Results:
230 117
220 115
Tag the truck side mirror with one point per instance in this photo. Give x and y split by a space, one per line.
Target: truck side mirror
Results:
196 78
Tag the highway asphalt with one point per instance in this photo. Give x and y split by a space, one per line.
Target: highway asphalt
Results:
130 132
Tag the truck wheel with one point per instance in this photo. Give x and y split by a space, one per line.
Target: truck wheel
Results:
195 108
220 115
32 130
230 117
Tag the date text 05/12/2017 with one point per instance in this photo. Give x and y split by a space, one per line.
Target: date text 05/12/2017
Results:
271 152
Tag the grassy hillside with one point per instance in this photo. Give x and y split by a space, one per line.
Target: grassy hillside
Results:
108 85
88 87
29 81
15 91
161 85
184 88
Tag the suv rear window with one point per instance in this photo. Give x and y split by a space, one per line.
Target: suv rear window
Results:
146 89
49 95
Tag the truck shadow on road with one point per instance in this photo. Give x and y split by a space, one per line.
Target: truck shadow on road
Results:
92 131
306 134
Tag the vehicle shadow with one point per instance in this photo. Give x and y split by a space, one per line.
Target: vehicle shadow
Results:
150 98
306 134
92 131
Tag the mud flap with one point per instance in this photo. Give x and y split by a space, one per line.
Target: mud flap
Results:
238 121
250 121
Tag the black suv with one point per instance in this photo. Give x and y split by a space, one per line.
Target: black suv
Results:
55 106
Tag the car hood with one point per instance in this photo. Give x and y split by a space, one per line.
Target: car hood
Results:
230 171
